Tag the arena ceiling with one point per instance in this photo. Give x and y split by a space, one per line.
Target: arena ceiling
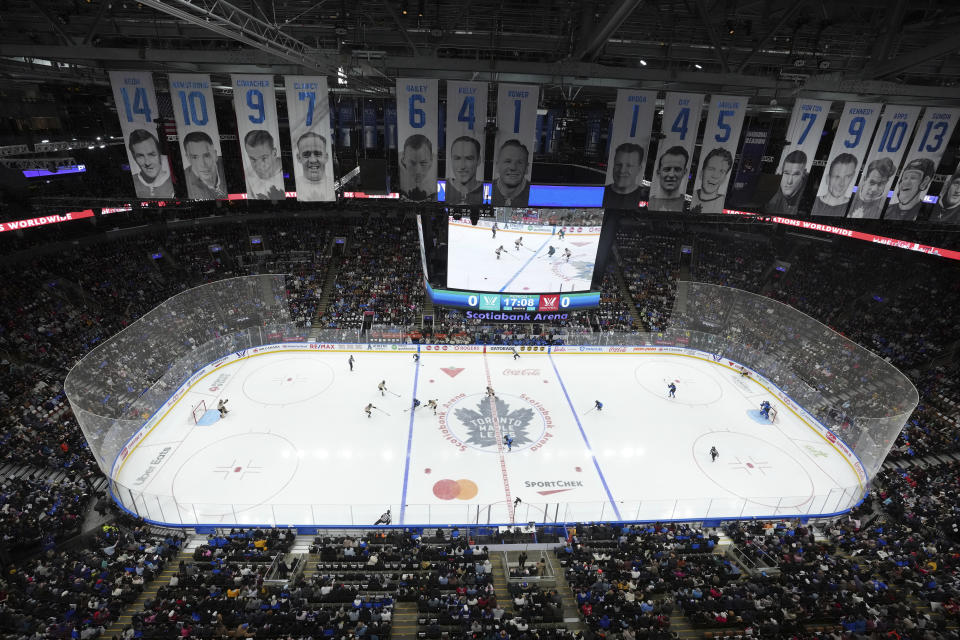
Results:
579 50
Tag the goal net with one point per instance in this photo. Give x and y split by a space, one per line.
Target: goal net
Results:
201 408
773 414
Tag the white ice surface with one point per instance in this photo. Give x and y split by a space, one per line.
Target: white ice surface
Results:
297 448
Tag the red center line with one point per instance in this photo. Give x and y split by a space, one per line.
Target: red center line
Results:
499 436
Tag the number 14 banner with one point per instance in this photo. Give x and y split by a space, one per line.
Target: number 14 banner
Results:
136 102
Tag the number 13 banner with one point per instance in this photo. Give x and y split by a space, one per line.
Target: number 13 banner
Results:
803 138
136 102
255 104
681 120
720 138
417 124
516 133
886 151
308 109
196 118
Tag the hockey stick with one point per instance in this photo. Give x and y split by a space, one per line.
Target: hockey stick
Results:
588 411
381 410
396 394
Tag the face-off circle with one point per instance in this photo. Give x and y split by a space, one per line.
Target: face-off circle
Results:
288 381
695 387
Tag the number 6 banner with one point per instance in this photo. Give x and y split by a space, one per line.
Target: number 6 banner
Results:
308 110
466 134
137 107
516 132
886 151
196 118
681 120
803 138
255 104
417 120
850 144
720 138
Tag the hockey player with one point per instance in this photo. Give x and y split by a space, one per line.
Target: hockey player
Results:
222 407
350 362
369 409
416 403
714 454
518 243
507 440
765 409
432 404
551 251
567 253
384 519
515 354
383 387
494 229
416 358
672 388
499 251
562 233
598 405
490 393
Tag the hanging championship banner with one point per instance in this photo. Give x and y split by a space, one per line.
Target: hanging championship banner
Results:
466 134
369 116
803 138
681 120
929 143
193 110
720 138
516 132
308 111
417 133
850 145
255 104
628 147
886 151
136 102
748 172
947 209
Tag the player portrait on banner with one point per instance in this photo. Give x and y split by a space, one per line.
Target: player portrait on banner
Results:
681 122
254 101
793 179
720 138
669 177
803 138
153 179
914 181
513 154
840 174
887 149
947 209
872 192
192 100
417 127
308 111
203 167
629 141
262 155
851 142
710 194
465 134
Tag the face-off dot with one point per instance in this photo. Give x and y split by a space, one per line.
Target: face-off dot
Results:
577 469
427 470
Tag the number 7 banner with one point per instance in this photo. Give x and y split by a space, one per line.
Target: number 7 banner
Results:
803 138
850 145
886 151
466 134
720 138
136 102
681 121
199 136
516 132
417 120
255 103
308 111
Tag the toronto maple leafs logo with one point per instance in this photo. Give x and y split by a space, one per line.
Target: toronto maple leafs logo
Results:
481 427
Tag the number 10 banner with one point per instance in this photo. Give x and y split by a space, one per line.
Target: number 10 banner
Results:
199 136
417 120
136 102
803 138
720 138
886 151
255 104
308 110
516 133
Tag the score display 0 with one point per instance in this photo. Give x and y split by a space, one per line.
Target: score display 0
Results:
512 302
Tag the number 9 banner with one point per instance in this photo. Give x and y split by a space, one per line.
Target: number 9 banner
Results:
516 132
681 120
136 102
255 104
417 120
850 144
886 151
192 100
803 138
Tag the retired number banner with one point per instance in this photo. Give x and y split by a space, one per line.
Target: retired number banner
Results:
417 121
929 142
803 138
466 135
308 109
886 151
136 102
255 104
196 118
516 133
720 138
850 145
681 120
629 149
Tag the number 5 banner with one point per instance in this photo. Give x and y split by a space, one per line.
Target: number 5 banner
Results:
308 110
850 145
466 134
255 104
681 120
136 102
886 151
417 120
629 149
720 138
803 138
196 118
516 133
929 143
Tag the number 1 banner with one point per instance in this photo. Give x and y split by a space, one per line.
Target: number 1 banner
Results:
803 138
516 133
629 149
850 145
255 104
466 134
136 103
199 136
681 120
886 151
308 110
929 143
417 120
720 138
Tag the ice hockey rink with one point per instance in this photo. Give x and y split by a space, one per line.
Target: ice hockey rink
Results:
473 263
296 447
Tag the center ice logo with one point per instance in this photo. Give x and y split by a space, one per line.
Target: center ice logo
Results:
481 429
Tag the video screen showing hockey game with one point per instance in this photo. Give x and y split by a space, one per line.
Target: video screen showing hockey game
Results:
524 250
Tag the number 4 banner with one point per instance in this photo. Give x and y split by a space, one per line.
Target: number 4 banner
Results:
196 118
136 102
886 151
850 145
721 136
803 138
466 134
516 132
681 120
255 104
417 121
